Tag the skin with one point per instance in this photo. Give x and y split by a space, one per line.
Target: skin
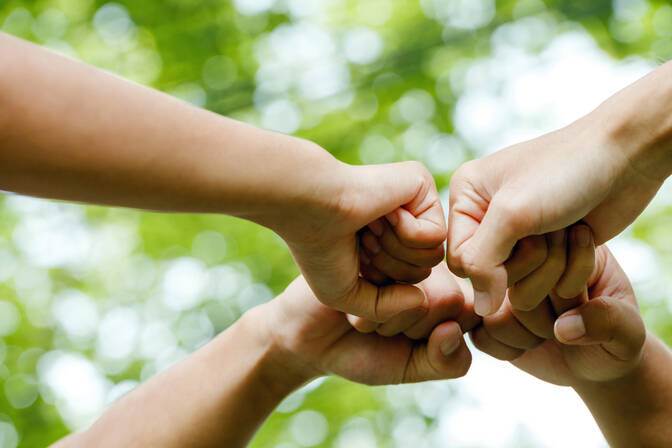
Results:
599 347
69 131
277 347
500 199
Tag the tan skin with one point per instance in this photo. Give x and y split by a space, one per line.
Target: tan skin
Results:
599 347
72 132
221 394
602 170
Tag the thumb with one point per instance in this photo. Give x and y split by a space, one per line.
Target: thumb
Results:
485 252
379 303
613 323
444 356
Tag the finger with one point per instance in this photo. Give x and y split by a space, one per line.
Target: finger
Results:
418 231
390 186
390 266
560 305
468 319
445 302
487 344
530 291
369 272
580 263
538 321
391 244
614 324
379 304
505 328
486 251
362 325
529 254
444 356
402 321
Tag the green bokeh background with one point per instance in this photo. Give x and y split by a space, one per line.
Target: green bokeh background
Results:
170 44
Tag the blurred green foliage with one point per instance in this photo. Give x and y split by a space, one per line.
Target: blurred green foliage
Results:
170 45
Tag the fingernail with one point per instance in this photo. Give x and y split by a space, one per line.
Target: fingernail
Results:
558 238
582 236
570 328
376 227
371 243
363 258
449 346
482 303
393 218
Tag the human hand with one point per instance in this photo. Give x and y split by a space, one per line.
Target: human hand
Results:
324 236
311 338
598 337
585 171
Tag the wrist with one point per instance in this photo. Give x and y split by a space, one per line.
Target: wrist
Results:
308 195
636 125
281 370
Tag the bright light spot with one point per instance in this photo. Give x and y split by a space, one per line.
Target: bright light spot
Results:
253 295
356 433
54 236
7 264
362 46
194 330
309 428
113 23
9 318
630 9
225 281
512 415
409 429
364 106
51 24
416 105
376 149
253 7
9 438
119 390
78 387
324 80
21 390
219 72
417 138
76 313
462 14
183 283
446 153
155 339
281 116
209 246
18 22
375 12
118 333
291 403
191 93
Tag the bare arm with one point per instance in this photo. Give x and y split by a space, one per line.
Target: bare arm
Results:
636 410
220 395
70 131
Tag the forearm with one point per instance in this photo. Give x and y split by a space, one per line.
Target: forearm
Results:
70 131
638 123
219 396
637 409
